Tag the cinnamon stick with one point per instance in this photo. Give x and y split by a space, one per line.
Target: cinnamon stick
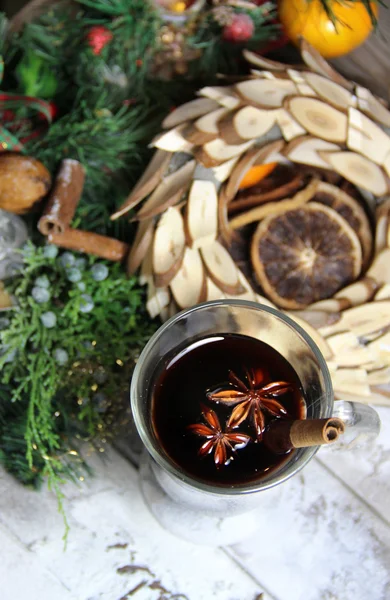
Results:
64 198
91 243
286 435
252 200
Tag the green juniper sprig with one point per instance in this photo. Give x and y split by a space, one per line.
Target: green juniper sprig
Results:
74 317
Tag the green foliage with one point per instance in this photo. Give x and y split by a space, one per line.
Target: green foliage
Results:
110 147
35 77
53 402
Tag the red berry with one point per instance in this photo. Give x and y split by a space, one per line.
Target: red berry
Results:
98 37
240 30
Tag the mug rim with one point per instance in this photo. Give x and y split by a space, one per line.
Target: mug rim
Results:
168 465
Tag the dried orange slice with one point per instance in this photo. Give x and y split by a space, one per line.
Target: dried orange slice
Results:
350 209
305 255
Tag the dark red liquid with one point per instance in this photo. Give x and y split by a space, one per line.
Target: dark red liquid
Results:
179 389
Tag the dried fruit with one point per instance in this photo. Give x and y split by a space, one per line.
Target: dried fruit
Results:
350 209
23 182
305 255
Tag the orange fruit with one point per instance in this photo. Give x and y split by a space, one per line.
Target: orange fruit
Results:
256 174
308 19
305 255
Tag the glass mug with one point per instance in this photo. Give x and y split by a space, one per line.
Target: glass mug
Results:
175 498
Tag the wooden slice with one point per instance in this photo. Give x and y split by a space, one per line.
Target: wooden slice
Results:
264 93
146 271
205 129
147 183
275 208
221 268
213 292
348 352
266 63
386 164
224 229
371 106
360 292
157 299
367 138
379 376
359 170
201 218
315 318
224 96
318 118
223 171
331 305
382 218
189 111
142 242
352 381
169 192
289 127
381 347
329 90
249 294
246 124
294 258
267 74
362 320
304 89
172 140
313 59
305 149
380 268
383 293
217 152
168 247
189 285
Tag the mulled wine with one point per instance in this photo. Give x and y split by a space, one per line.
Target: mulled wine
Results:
212 401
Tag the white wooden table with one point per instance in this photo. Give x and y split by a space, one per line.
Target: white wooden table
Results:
325 535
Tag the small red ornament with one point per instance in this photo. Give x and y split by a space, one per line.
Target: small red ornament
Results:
240 29
98 37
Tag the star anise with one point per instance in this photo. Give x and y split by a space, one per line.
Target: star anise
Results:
221 442
253 399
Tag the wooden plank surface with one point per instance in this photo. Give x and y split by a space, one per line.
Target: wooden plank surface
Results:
323 535
370 63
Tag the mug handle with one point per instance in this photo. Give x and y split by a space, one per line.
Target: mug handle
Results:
362 424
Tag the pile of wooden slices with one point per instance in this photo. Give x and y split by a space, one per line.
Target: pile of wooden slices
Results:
312 238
